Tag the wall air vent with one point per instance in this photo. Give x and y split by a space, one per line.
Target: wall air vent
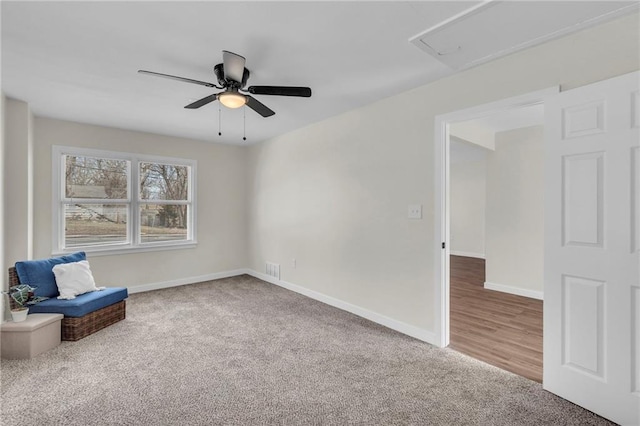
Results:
492 29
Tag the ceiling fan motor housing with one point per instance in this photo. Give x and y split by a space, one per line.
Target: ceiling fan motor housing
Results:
245 77
218 70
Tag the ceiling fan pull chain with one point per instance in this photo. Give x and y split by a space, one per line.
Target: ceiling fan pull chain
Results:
244 123
219 120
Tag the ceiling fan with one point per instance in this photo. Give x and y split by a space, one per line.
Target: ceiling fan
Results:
232 77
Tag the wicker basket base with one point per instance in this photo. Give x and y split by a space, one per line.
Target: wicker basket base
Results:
76 328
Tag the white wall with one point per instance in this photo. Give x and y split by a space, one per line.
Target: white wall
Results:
18 181
334 195
4 281
221 201
335 199
467 206
515 212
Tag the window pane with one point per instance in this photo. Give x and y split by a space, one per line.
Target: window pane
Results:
90 224
163 222
91 177
163 182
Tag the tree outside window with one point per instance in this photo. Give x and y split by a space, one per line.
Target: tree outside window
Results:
164 190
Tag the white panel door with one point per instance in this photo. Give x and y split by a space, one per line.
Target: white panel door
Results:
592 248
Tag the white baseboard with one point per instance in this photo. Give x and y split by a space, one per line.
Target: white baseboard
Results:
514 290
404 328
467 254
185 281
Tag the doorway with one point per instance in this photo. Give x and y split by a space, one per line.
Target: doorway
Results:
463 261
496 239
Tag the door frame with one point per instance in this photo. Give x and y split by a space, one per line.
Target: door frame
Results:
441 189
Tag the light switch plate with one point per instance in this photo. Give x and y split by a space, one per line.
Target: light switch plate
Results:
415 211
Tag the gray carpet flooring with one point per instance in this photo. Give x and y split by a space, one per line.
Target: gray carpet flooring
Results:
239 351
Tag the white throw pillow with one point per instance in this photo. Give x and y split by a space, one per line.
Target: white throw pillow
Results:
74 279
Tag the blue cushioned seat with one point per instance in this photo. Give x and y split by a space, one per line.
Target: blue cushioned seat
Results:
39 273
81 305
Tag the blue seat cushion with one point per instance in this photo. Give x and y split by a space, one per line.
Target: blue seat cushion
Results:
81 305
39 273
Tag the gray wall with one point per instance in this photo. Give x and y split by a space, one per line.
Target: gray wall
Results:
467 195
515 212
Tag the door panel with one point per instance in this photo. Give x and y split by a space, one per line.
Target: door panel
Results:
583 200
583 119
583 325
635 310
592 248
635 199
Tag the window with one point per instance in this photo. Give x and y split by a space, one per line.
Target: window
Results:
113 202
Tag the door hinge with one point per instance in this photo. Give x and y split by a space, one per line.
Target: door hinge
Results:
442 245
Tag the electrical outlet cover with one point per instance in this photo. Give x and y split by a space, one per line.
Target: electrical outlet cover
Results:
415 211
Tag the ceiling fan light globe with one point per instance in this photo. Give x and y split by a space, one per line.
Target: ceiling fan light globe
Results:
232 100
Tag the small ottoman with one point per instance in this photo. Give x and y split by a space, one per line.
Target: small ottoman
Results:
31 337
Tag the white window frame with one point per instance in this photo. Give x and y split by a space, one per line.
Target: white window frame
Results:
133 203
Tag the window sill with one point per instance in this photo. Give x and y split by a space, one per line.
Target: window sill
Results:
102 251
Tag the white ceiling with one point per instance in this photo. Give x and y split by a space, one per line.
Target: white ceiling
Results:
78 60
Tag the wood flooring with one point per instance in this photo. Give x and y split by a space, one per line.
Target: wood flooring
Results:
498 328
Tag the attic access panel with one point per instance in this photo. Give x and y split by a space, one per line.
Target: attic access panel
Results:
493 29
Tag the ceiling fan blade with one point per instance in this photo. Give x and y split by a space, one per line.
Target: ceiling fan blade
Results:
233 65
173 77
259 107
203 101
304 92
